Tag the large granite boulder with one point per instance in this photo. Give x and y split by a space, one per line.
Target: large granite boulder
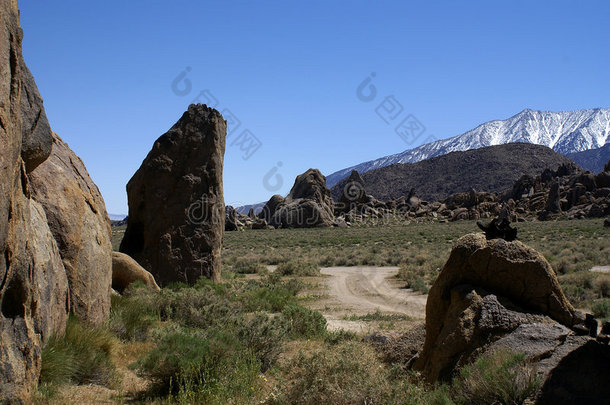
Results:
32 290
125 271
309 203
270 207
78 220
176 204
487 289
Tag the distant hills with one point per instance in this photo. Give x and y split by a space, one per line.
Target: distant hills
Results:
493 168
565 132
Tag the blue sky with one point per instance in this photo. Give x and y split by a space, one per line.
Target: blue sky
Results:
289 72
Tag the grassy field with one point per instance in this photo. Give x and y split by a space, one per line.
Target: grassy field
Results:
254 338
421 249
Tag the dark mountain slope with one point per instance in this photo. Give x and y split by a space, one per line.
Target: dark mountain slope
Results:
493 168
592 159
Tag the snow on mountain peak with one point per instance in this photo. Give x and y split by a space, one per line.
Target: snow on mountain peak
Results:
565 132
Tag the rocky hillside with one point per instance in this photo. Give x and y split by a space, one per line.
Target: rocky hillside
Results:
565 132
492 169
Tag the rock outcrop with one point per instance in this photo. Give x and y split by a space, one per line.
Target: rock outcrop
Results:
270 207
231 221
496 295
125 271
309 203
176 204
353 195
77 217
32 290
487 289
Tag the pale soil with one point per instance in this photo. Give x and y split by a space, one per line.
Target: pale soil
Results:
362 290
600 269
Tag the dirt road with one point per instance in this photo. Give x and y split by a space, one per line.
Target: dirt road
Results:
361 290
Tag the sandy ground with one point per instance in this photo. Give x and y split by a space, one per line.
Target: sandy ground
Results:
361 290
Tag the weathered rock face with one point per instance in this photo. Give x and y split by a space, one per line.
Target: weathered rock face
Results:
78 220
176 204
36 131
28 258
52 301
309 203
125 271
486 289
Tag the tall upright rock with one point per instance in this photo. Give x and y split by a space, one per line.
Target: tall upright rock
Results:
77 217
176 204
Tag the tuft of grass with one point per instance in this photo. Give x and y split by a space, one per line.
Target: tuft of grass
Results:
134 314
379 316
298 268
81 356
502 377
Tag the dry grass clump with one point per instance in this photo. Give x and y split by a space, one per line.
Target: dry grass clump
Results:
346 373
502 377
81 356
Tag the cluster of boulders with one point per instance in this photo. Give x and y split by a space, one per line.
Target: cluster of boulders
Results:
309 204
565 192
498 295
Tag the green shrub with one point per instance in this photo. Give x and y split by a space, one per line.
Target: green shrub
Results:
601 309
248 266
338 336
263 336
298 268
133 314
602 285
303 322
270 294
209 368
81 356
500 378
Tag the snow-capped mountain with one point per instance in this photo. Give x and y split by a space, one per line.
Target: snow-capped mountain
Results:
565 132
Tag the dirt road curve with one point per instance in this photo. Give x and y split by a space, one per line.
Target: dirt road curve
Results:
362 290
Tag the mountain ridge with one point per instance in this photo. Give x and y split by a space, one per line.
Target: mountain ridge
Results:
565 132
491 169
